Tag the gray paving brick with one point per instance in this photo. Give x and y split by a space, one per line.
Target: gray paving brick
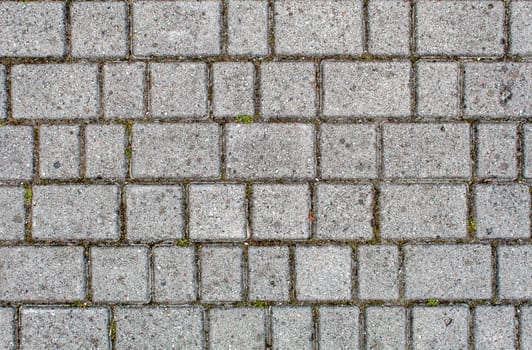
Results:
54 91
417 211
338 327
446 27
525 323
260 151
269 273
87 212
183 28
123 89
247 27
105 151
64 328
237 328
159 328
154 212
99 29
447 271
386 327
7 328
233 91
280 211
291 328
514 278
16 152
217 212
494 327
323 273
287 89
426 150
59 151
497 89
443 327
344 212
437 89
221 273
32 29
520 28
527 150
174 274
378 272
42 274
497 150
319 27
3 92
120 274
12 213
176 150
366 89
389 27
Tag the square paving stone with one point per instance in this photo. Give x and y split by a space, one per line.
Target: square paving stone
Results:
12 213
291 328
437 89
7 328
247 27
378 272
442 327
174 274
221 273
3 92
525 330
59 151
494 327
237 328
123 89
386 328
520 28
389 27
269 273
105 148
338 327
514 277
16 152
497 150
234 89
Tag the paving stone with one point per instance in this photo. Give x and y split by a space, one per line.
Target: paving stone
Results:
287 89
7 328
59 151
426 150
378 272
447 271
348 151
323 273
525 330
437 89
174 274
217 212
159 328
16 152
221 273
280 212
418 211
12 214
3 92
123 89
291 328
494 327
445 27
237 328
154 212
247 27
105 148
389 27
99 29
269 273
443 327
176 150
514 278
260 151
319 27
120 274
47 274
527 150
520 28
234 89
32 29
366 89
88 212
176 28
497 150
64 328
344 211
338 327
497 89
386 327
54 91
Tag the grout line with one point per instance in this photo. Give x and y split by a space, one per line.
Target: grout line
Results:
17 323
244 275
130 33
271 28
471 327
292 297
315 327
88 272
224 35
365 27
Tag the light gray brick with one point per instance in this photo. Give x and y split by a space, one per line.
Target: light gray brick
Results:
338 327
221 273
280 211
174 274
233 91
120 274
105 151
319 27
378 272
527 150
3 92
291 328
386 327
389 27
447 271
54 91
497 150
247 27
494 327
269 273
514 277
168 28
520 28
176 150
447 27
261 151
417 211
437 89
59 151
366 89
88 212
237 328
123 89
443 327
51 274
159 328
7 328
64 328
525 330
12 213
426 150
32 29
16 152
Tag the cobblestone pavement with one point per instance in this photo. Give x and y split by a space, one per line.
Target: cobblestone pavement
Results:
251 174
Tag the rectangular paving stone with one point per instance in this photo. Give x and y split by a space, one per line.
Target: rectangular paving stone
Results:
247 27
497 150
221 273
318 27
269 273
62 328
174 274
494 327
262 151
442 327
3 92
386 327
59 151
46 274
7 328
16 152
389 27
525 327
234 89
514 278
366 89
437 89
291 327
123 89
237 328
447 271
338 327
520 29
105 151
12 213
378 272
446 27
422 150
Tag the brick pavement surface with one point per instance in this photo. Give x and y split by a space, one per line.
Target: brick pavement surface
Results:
266 174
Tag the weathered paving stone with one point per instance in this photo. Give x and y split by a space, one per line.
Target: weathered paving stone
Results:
446 27
32 29
51 274
520 29
88 212
318 28
447 271
525 330
7 328
262 151
174 274
221 273
437 89
181 28
378 272
3 93
233 91
62 328
426 150
494 327
123 89
442 327
59 151
237 328
12 213
105 151
16 152
159 327
497 150
389 27
269 273
247 27
515 264
366 89
386 327
417 211
338 327
291 327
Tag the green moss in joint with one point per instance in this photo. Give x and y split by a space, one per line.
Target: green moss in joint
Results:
28 194
246 119
432 302
260 303
183 242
